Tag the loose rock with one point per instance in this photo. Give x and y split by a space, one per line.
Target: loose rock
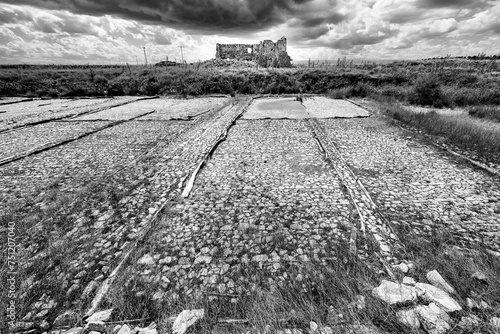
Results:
186 319
408 318
440 297
409 281
495 323
479 276
394 293
125 330
74 330
469 323
431 320
146 260
438 281
100 316
68 318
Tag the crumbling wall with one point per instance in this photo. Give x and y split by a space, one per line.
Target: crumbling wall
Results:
267 53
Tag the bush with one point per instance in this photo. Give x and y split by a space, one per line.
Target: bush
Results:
361 89
488 112
427 92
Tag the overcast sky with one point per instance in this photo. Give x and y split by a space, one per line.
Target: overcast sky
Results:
104 31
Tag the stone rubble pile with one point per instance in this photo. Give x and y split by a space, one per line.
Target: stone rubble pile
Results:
427 306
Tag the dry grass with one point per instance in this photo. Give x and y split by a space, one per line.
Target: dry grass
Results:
459 130
488 112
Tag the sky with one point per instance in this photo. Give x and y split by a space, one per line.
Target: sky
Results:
115 31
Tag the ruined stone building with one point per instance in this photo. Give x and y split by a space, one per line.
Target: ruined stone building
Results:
267 53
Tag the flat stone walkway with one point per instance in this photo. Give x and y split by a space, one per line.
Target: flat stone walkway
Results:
284 186
265 200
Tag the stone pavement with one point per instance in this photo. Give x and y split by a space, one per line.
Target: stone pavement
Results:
273 199
79 206
266 199
418 186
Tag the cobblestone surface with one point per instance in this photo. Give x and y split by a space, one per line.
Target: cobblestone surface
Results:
77 229
418 185
28 138
274 199
165 109
22 113
184 109
266 199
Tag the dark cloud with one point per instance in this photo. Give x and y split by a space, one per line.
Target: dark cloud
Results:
314 21
191 15
7 16
45 26
446 3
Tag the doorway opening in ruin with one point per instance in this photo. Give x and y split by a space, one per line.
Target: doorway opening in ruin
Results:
249 50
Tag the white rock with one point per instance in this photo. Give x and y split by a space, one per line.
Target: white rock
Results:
326 330
409 281
408 318
438 281
440 312
438 296
203 259
469 323
68 318
100 316
394 293
479 276
495 323
146 259
185 319
431 321
125 330
472 304
402 267
313 326
147 331
360 301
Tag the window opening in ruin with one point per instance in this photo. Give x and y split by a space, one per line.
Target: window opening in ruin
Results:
249 50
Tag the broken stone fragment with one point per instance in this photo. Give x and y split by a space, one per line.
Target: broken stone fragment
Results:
469 323
480 276
313 327
68 318
96 326
186 319
74 330
402 267
125 329
146 260
432 320
495 323
472 304
408 318
438 296
100 316
409 281
438 281
394 293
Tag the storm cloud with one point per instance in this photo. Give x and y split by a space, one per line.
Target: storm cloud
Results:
117 30
193 15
